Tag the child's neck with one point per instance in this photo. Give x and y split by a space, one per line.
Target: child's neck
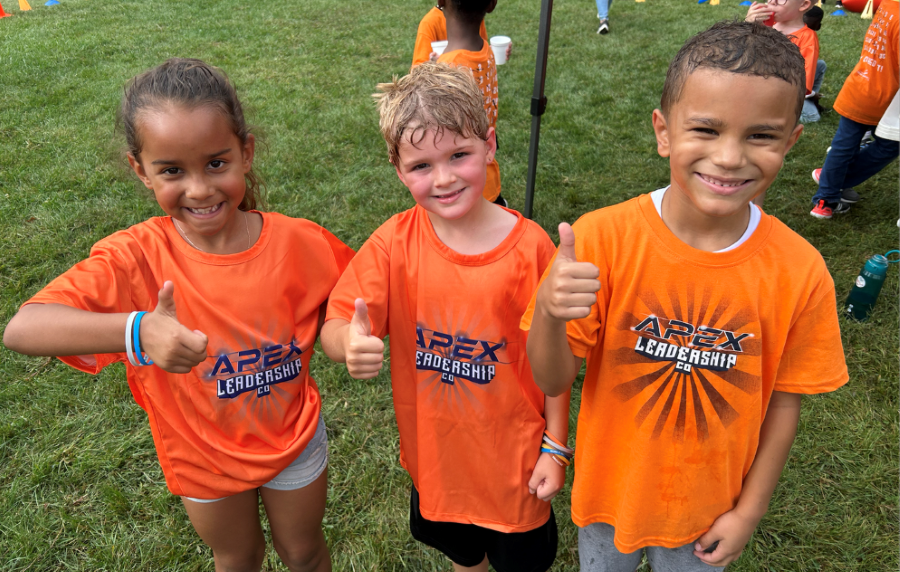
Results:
481 230
790 26
462 35
700 231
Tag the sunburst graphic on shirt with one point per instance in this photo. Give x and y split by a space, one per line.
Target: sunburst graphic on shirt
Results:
257 376
695 351
457 356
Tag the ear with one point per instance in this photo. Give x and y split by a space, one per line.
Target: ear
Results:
138 169
493 4
805 5
441 4
661 128
491 143
400 175
247 152
792 138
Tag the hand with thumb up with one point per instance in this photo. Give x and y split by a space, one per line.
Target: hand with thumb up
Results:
364 352
170 345
570 288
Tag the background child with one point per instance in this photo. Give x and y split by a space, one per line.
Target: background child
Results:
692 393
233 410
448 280
467 48
866 94
789 20
433 28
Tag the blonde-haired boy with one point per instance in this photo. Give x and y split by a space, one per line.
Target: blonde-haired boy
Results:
448 280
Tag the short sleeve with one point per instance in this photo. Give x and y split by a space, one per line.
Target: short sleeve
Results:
425 34
342 253
367 276
101 283
813 358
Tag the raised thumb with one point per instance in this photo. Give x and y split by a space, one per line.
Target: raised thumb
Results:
360 321
566 242
166 299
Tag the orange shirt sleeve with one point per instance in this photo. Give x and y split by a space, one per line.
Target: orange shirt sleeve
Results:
808 43
432 28
367 277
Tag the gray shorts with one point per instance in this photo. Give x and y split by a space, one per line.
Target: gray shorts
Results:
598 554
305 469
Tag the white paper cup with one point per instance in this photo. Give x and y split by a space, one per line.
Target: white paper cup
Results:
499 45
439 46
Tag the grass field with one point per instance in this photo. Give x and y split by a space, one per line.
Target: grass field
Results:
80 486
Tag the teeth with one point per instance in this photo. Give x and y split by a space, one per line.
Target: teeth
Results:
205 211
720 183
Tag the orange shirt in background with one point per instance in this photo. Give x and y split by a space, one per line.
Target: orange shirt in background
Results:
470 416
433 28
239 418
871 86
808 42
485 71
684 349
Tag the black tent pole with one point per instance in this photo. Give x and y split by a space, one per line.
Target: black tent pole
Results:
538 101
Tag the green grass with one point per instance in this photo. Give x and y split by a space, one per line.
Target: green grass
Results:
80 487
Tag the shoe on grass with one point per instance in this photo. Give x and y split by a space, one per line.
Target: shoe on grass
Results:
847 195
826 210
604 27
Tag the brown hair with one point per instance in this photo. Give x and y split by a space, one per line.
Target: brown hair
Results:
432 96
737 47
190 83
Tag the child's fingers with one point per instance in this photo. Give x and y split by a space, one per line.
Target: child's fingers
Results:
566 243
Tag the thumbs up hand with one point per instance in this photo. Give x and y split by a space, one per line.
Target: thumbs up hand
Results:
570 288
364 352
170 345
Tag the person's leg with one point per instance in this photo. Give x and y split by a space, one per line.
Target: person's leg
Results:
679 559
844 149
463 544
603 9
598 553
231 528
809 113
820 75
296 520
530 551
871 159
483 567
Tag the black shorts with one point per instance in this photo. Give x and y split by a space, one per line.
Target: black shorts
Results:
467 544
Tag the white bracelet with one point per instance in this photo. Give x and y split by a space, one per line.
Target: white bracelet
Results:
129 349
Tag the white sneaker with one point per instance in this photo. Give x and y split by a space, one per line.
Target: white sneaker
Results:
604 27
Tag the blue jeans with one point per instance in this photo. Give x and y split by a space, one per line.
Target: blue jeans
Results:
603 9
810 114
846 165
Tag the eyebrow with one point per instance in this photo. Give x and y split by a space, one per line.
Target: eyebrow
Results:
173 162
718 124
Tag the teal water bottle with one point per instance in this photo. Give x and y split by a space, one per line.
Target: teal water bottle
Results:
867 287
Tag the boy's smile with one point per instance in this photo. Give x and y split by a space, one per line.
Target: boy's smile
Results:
445 172
726 138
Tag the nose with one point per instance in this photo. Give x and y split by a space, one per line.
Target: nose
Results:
729 153
198 188
443 176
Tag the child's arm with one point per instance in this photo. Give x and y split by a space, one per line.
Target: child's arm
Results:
732 530
548 476
758 12
59 330
567 293
353 343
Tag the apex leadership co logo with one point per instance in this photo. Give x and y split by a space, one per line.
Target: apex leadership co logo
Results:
456 357
705 347
256 370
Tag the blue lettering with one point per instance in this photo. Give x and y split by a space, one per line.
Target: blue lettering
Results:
254 358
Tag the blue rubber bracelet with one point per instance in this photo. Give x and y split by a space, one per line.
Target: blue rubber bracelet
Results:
556 452
136 338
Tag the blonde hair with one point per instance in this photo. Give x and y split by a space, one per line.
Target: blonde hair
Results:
432 96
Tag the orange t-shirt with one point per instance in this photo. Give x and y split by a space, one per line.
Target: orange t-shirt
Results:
684 349
808 42
871 86
433 28
239 418
485 71
469 413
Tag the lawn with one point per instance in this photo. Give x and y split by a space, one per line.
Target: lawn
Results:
80 486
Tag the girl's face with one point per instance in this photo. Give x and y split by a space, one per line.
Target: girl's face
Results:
195 166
